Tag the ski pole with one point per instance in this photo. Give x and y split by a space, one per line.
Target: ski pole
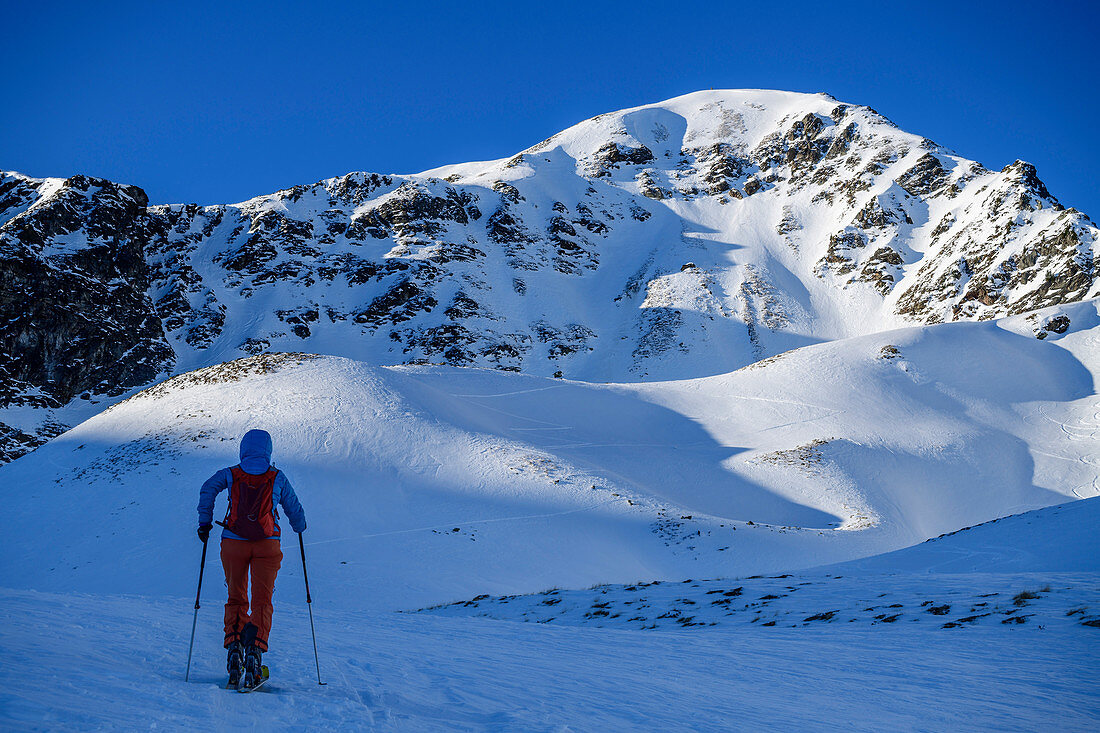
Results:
202 565
309 605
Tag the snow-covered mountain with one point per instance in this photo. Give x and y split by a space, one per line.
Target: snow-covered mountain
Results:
593 387
682 239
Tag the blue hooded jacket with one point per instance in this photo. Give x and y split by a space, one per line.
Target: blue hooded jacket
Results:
256 446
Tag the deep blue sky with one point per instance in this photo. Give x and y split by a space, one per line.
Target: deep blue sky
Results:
196 102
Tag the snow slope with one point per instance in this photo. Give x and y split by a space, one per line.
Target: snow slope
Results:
1046 601
1060 538
116 663
1040 568
429 484
426 485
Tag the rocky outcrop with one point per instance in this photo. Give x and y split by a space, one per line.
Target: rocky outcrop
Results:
1019 250
614 154
76 319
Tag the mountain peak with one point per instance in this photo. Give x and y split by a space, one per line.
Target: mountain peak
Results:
678 239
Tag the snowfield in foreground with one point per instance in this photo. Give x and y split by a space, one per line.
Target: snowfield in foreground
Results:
116 663
483 493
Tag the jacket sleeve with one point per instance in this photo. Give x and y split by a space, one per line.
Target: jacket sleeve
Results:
291 506
214 485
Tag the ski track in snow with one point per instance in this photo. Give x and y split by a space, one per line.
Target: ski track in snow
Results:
1084 433
466 523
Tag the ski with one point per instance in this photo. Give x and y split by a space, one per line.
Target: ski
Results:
242 687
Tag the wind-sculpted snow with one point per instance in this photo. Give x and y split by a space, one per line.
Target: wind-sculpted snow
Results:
681 239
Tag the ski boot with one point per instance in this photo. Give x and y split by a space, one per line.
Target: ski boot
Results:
234 663
253 674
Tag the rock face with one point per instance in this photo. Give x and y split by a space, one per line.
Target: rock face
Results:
689 237
76 319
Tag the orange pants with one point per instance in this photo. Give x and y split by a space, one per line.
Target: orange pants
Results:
263 558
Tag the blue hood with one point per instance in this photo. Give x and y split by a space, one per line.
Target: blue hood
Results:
256 452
